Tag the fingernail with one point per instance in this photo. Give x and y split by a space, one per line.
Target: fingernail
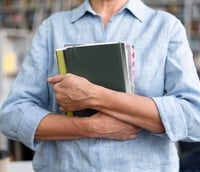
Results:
49 79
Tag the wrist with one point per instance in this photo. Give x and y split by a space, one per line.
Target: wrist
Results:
100 97
83 126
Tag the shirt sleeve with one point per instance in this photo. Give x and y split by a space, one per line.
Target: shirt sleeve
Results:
179 108
27 103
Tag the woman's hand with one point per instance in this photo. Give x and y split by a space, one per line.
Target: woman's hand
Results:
73 92
77 93
101 125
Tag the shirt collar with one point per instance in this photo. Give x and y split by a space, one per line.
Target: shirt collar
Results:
82 10
136 7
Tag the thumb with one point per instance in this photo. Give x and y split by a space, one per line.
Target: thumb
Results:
55 79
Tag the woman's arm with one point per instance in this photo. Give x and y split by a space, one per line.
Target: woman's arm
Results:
137 110
62 127
76 93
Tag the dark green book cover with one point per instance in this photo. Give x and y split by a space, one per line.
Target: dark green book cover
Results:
102 64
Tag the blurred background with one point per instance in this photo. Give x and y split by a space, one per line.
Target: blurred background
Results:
20 18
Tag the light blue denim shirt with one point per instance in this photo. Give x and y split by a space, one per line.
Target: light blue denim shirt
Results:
164 71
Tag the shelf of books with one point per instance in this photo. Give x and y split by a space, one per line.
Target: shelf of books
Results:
188 11
17 13
25 13
18 20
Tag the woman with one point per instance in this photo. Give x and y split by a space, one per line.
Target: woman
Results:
129 132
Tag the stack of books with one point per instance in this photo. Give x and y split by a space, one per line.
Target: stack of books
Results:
110 65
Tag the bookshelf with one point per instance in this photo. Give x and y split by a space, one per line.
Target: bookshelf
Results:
27 14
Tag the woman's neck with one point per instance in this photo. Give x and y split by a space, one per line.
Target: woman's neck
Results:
107 8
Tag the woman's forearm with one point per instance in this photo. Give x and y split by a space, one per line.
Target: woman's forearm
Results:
57 127
138 110
61 127
76 93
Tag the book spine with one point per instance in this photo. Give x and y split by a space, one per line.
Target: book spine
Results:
62 68
61 62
